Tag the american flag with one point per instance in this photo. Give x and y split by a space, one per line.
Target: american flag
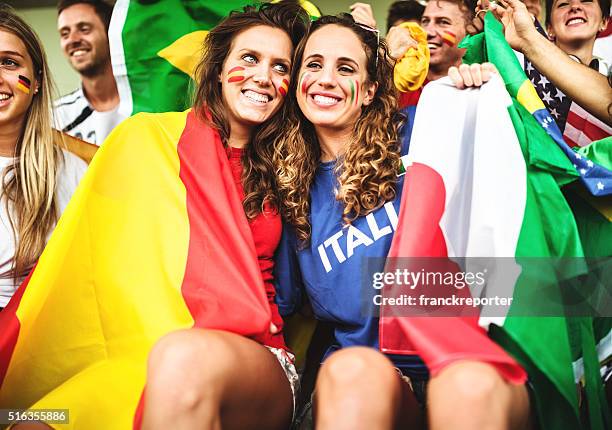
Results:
579 127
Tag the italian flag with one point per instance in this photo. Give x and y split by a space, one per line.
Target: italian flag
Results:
486 181
154 239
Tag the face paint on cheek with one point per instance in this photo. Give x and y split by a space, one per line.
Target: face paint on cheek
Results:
304 80
235 74
354 91
23 84
449 38
284 87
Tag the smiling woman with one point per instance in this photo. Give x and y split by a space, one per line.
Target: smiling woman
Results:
37 177
574 25
218 378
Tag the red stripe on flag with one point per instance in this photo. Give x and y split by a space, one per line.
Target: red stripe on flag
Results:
9 328
582 128
439 341
222 286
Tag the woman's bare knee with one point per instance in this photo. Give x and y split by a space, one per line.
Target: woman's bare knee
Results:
355 365
474 395
188 366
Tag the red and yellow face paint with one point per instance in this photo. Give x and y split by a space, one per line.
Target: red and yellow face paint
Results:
354 83
24 84
304 80
449 38
283 87
235 74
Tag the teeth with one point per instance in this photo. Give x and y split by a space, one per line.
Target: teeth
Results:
4 97
256 97
432 46
576 21
78 53
323 100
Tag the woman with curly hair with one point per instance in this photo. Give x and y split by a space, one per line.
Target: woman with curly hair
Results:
37 176
340 180
200 378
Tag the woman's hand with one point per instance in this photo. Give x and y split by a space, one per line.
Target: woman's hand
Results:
513 14
473 75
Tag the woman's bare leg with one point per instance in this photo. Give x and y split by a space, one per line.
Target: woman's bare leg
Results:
358 388
473 395
208 379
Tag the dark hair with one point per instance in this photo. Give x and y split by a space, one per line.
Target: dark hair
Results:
103 9
404 10
467 7
258 173
604 5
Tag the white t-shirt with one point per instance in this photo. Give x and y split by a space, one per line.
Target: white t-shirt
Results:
74 115
70 173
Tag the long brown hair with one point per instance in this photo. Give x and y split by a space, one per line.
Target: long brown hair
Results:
258 173
367 171
28 185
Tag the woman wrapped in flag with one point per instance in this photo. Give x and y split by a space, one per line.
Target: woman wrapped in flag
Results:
340 180
37 176
219 379
153 304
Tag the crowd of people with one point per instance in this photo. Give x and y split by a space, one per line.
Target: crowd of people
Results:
314 131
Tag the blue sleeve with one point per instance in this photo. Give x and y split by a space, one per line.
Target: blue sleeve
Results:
406 130
287 274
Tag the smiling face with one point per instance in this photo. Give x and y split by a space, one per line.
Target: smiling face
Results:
444 23
255 76
83 39
333 79
575 22
17 82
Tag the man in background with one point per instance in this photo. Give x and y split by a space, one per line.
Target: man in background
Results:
404 11
91 111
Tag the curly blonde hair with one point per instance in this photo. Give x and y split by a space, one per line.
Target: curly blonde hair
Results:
367 171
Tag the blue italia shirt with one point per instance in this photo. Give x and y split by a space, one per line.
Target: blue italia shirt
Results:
336 266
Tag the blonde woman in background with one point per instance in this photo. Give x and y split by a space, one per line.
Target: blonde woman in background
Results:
37 178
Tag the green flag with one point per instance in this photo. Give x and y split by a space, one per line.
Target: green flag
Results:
155 45
555 351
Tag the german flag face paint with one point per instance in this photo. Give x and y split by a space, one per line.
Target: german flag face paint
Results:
283 88
449 38
304 80
235 74
24 84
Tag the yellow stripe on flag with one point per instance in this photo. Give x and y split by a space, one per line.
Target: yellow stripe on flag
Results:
130 208
528 97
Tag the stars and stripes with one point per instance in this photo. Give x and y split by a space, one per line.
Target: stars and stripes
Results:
578 127
557 103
